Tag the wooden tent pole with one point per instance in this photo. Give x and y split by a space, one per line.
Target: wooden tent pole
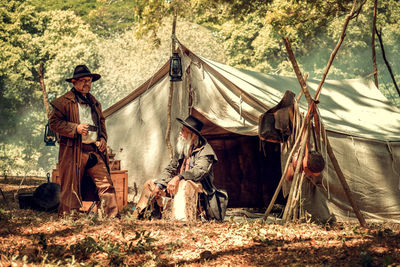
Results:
171 93
41 80
301 91
332 157
375 69
297 70
387 62
334 52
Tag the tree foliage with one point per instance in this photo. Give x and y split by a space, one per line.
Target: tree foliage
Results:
251 32
105 17
28 37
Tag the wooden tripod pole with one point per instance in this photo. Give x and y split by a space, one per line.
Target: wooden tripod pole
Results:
342 180
329 148
332 157
272 202
289 205
296 68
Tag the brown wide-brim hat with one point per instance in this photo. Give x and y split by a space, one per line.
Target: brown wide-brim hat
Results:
83 71
193 124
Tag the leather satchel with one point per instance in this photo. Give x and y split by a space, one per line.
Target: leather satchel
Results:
275 125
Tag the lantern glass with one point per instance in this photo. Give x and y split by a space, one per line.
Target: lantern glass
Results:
50 137
175 68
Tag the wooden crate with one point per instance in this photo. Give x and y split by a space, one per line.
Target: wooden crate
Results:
120 182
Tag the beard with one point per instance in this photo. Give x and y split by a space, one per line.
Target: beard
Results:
183 146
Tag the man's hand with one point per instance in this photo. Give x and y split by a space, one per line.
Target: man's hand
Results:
102 145
172 186
157 192
83 129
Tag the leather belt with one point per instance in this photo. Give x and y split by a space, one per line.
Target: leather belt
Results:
86 148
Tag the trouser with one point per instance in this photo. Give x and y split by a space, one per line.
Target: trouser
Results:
102 180
183 206
146 197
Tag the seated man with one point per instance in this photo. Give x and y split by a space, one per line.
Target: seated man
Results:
188 173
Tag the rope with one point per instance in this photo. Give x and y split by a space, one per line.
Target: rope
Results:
173 37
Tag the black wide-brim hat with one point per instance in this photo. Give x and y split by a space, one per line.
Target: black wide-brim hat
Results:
193 124
83 71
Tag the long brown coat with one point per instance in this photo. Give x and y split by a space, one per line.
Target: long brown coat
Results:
64 120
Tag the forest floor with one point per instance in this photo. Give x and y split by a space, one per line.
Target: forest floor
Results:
32 238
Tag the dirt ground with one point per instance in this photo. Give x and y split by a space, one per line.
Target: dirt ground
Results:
33 238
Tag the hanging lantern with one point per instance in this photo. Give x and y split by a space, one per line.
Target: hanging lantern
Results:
50 137
175 68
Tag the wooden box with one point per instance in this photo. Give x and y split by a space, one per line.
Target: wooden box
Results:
120 182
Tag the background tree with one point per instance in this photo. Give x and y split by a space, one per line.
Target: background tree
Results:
58 38
251 31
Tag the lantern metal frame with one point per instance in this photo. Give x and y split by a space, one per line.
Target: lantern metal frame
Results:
175 68
50 137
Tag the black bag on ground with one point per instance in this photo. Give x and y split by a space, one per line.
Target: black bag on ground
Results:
216 204
46 197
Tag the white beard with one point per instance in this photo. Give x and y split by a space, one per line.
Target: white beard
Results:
183 146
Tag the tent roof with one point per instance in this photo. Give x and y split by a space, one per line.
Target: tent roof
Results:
353 107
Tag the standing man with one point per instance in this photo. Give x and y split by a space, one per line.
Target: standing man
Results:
78 119
189 173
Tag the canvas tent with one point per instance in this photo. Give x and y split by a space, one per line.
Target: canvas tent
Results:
362 126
